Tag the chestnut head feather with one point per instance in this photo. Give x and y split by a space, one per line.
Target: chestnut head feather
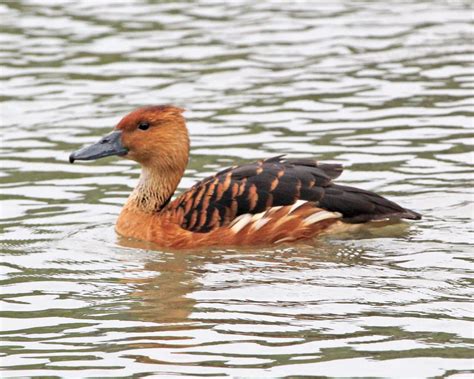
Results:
155 136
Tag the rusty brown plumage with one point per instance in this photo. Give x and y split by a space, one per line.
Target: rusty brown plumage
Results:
276 200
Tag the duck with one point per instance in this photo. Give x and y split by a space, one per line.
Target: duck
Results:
269 202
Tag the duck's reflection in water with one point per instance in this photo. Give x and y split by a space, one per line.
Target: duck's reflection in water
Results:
164 294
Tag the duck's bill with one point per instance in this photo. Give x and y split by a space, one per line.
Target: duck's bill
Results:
109 145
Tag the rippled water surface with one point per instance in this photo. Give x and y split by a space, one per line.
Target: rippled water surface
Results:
382 87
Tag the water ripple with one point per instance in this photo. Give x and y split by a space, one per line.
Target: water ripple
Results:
386 90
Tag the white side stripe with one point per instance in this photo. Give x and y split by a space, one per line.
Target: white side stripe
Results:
320 216
240 222
261 223
296 205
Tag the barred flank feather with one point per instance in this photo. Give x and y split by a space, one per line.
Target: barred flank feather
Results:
254 188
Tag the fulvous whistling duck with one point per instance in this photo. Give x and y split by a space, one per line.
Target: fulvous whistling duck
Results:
272 201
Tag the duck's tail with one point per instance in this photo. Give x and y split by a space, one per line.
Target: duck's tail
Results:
358 205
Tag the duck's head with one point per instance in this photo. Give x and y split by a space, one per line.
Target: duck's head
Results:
152 136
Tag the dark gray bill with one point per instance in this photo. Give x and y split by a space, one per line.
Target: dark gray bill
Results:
111 144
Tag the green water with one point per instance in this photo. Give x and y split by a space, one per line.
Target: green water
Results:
384 88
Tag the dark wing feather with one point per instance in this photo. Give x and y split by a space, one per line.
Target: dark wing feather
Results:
253 188
358 205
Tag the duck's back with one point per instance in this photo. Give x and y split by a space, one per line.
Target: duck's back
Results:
291 198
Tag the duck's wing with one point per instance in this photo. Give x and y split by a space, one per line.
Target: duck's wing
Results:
257 187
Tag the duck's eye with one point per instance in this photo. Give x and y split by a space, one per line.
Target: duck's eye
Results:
143 125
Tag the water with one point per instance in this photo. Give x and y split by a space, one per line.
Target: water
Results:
385 89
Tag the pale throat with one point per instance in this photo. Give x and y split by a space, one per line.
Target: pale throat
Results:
154 189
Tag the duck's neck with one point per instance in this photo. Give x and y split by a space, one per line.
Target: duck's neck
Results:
154 189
